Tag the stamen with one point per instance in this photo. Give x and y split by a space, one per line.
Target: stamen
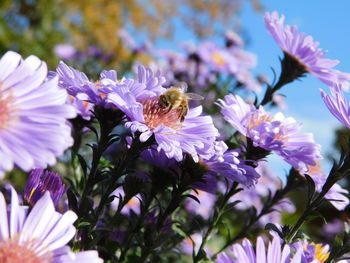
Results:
6 109
217 58
258 118
13 251
155 115
321 253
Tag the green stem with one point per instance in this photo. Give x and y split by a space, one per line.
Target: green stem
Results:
216 218
279 195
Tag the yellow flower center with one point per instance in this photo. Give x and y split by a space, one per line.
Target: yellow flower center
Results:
217 58
315 169
321 253
133 202
155 115
257 118
14 251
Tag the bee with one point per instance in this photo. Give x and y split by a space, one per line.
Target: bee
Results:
176 98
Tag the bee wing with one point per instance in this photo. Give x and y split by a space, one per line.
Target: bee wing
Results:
181 85
194 96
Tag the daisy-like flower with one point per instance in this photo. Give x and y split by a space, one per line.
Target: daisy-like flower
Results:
229 165
84 93
33 114
219 59
337 104
273 133
38 236
302 53
139 100
245 253
312 253
40 181
220 162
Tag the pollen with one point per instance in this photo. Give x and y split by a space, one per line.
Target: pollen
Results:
13 251
218 59
155 115
321 253
259 118
6 109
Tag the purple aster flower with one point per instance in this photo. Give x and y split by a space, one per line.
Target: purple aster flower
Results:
65 51
245 61
332 228
39 182
220 162
218 59
33 114
312 253
337 104
304 51
90 256
273 133
38 236
138 99
84 94
337 194
229 165
275 253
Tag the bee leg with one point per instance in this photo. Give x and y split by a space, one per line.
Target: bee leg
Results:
184 111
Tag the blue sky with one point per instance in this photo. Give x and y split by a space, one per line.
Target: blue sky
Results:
328 23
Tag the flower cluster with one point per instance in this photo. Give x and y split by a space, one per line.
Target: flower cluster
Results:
273 133
31 106
40 235
304 51
144 174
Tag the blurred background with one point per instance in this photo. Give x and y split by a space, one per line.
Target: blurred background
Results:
93 35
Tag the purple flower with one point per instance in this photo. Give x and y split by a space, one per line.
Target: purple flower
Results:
227 163
65 51
33 114
337 194
219 59
337 104
275 253
245 61
304 50
38 236
273 133
138 99
39 182
81 88
90 256
219 163
312 253
177 66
